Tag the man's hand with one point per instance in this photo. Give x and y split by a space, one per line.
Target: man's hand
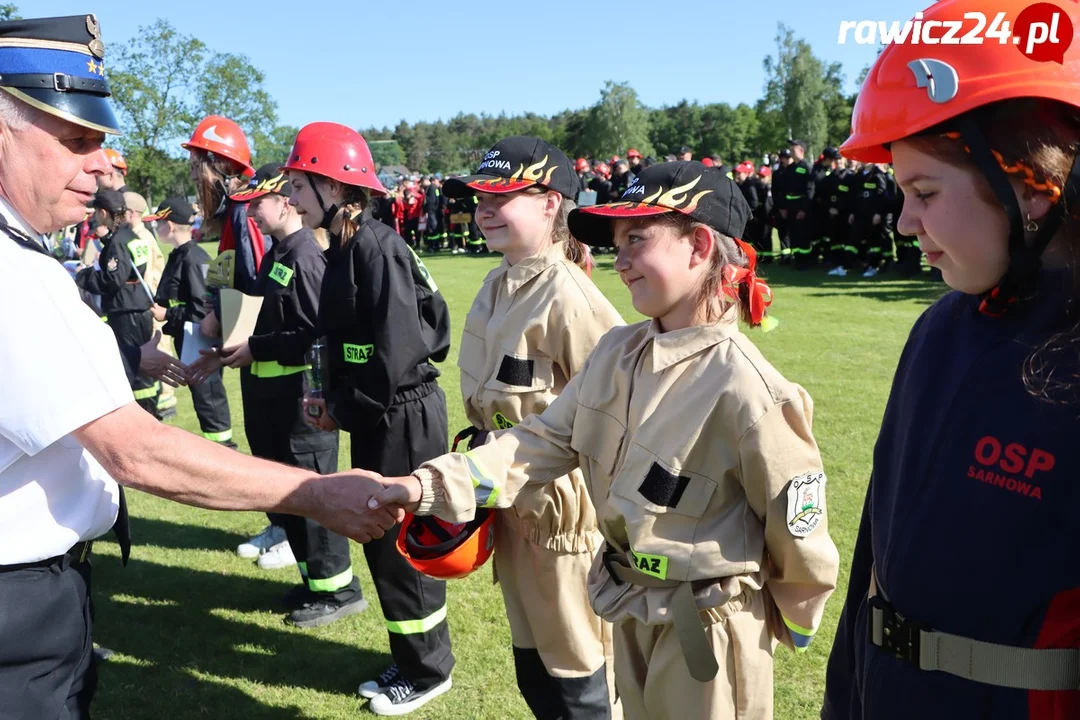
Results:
800 215
316 416
399 494
237 356
209 325
208 363
161 366
158 312
341 503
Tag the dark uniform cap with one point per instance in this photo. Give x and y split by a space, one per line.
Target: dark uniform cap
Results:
269 179
785 153
176 210
800 143
111 201
830 153
689 187
516 163
57 66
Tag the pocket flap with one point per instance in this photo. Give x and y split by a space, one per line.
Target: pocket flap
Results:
597 435
662 487
516 374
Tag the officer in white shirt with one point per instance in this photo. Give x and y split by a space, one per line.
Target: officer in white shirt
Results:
62 455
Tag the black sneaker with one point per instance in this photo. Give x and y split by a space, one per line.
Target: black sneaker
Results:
402 697
381 684
296 597
323 610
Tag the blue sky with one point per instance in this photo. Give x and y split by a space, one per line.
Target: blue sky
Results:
364 63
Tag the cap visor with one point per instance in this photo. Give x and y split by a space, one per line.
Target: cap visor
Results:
465 186
248 195
592 225
85 109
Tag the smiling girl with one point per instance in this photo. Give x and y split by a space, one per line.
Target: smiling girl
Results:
697 453
529 330
964 597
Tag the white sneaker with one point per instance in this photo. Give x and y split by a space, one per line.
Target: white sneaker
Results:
870 272
259 544
402 697
841 271
277 557
381 684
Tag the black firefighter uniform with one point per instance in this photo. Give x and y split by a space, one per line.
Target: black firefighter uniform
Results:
709 492
289 280
385 321
526 336
124 300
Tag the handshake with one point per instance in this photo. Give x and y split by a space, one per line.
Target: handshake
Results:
361 504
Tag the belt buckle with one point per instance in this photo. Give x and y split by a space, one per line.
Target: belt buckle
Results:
899 636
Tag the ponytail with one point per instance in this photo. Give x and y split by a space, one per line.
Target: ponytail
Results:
575 250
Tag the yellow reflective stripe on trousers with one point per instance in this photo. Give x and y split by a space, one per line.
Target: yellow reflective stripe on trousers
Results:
330 584
149 392
224 436
272 369
414 627
485 485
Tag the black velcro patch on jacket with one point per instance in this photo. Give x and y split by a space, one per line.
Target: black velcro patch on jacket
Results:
662 487
515 372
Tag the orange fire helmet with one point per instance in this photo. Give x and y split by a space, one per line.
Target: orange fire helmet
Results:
913 87
445 550
117 160
221 136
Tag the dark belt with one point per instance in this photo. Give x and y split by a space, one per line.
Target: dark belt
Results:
77 554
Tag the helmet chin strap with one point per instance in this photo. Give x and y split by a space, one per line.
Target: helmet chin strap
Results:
1025 259
328 212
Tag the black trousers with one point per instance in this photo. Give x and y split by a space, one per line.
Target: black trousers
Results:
211 403
413 431
800 238
275 429
136 329
47 665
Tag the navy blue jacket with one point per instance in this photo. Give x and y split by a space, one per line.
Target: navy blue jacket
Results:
969 517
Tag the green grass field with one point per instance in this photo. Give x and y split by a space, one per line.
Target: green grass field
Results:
198 631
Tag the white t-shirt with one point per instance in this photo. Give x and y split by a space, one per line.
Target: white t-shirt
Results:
59 369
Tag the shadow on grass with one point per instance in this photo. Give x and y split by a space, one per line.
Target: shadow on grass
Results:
163 534
889 286
178 625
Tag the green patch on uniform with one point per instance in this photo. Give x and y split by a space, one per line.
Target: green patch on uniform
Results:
501 421
424 271
654 565
870 186
800 170
281 274
358 354
140 251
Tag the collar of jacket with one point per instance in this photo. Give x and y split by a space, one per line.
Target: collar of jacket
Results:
518 275
666 349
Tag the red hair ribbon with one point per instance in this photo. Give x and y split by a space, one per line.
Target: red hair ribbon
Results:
732 277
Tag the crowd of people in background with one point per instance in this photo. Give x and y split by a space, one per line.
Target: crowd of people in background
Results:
828 212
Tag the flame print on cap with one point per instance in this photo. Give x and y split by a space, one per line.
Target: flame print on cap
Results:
267 186
521 178
677 198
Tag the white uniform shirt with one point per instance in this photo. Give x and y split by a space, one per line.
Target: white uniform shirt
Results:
52 492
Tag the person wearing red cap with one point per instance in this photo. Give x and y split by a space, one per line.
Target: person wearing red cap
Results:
584 173
964 591
115 180
755 195
635 161
386 324
699 457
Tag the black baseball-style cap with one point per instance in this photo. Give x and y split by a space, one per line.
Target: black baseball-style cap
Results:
57 65
830 153
689 187
800 143
176 210
516 163
111 201
269 179
785 153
